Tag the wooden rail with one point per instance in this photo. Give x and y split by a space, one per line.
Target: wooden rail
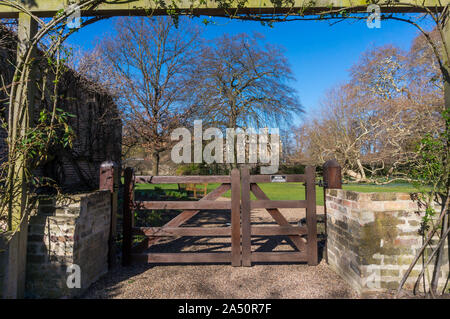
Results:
278 230
182 231
193 205
182 179
292 178
50 8
278 204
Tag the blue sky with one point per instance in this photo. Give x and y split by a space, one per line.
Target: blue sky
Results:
320 54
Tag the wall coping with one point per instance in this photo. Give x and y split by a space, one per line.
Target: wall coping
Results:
372 196
70 199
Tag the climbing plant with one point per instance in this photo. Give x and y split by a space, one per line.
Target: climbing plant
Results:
31 136
432 174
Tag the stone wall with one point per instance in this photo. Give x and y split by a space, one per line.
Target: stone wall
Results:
96 122
12 264
373 238
73 231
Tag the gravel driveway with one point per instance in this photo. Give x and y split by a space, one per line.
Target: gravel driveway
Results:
224 281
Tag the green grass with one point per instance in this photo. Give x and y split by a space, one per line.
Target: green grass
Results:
293 191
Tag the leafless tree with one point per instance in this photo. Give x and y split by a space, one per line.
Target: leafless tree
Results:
244 82
146 66
372 124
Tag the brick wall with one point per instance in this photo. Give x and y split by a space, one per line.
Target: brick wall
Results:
73 231
373 237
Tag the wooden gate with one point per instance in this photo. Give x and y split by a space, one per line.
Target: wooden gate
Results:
172 228
241 229
306 247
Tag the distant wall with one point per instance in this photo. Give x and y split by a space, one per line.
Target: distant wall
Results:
373 238
73 231
142 163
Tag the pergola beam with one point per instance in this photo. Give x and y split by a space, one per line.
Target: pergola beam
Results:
48 8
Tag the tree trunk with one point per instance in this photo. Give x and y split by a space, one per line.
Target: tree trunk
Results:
352 174
361 170
155 163
234 126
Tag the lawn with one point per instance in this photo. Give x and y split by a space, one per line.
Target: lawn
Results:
292 191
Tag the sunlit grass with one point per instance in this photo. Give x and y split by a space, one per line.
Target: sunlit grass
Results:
292 191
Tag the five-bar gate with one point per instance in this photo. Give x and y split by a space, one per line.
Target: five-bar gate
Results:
304 238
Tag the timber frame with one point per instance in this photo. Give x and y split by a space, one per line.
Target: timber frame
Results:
49 8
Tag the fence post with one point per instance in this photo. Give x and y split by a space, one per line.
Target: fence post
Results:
246 218
332 174
311 218
235 218
332 178
109 180
127 216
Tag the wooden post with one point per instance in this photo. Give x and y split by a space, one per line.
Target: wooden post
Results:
311 218
17 219
109 180
127 222
331 179
20 119
246 215
332 174
235 218
446 59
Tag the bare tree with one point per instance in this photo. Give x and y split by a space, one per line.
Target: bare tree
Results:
244 82
372 124
146 66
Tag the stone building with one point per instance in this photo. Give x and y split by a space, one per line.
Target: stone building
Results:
96 123
77 230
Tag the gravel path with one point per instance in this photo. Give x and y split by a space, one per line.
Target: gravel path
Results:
224 281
